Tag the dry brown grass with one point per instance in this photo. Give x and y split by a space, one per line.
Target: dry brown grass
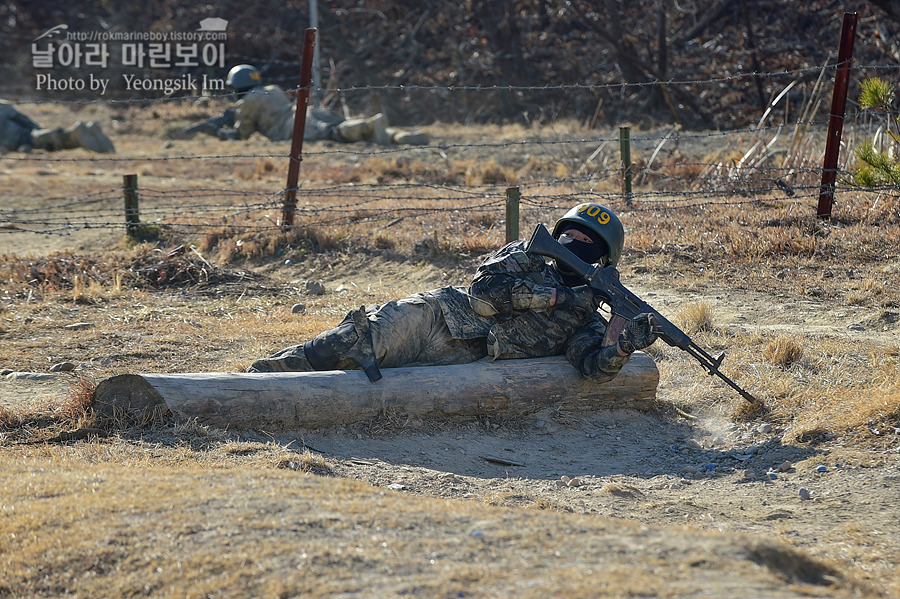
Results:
145 493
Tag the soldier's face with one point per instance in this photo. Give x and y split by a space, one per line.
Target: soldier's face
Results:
577 235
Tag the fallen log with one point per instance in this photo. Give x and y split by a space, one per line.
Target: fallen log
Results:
337 397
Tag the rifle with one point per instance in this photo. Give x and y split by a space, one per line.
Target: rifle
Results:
624 304
209 126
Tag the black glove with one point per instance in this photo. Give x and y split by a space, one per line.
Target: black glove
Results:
641 332
572 298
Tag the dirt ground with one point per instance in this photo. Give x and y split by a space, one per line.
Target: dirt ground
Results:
713 507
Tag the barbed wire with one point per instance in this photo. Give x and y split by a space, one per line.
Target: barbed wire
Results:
593 172
591 87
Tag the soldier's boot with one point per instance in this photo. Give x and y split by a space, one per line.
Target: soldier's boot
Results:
350 340
378 123
412 138
291 359
370 129
88 136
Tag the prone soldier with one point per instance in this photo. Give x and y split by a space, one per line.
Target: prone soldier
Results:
518 306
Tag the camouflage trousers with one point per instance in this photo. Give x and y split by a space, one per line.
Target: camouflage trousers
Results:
407 332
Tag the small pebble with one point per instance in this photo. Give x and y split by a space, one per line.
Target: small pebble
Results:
748 475
765 429
314 288
772 475
298 309
822 468
689 470
62 367
710 467
575 482
287 262
785 467
804 493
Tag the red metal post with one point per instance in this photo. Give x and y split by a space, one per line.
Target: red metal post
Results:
290 193
836 121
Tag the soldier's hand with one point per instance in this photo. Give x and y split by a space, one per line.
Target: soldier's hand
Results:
640 333
573 298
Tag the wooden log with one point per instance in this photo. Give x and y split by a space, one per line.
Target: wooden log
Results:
330 398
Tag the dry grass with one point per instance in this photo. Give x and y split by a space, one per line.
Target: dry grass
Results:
133 507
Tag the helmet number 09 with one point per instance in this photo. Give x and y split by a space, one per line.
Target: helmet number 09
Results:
593 210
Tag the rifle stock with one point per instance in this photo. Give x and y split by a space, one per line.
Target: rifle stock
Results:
209 126
625 304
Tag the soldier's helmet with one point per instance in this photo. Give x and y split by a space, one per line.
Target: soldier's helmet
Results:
243 77
600 224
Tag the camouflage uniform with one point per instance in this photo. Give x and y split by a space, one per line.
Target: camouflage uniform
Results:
505 314
269 111
17 131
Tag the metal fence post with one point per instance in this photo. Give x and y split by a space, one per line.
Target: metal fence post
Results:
512 213
836 120
290 193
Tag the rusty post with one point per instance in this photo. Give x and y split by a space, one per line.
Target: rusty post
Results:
836 120
290 193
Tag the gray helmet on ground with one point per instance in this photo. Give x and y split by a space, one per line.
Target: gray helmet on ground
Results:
243 77
600 222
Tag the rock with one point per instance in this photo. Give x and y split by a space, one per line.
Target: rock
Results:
62 367
314 288
822 468
785 467
765 429
689 470
804 493
575 482
748 475
80 325
298 309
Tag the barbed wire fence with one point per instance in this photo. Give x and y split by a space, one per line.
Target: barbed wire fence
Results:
778 159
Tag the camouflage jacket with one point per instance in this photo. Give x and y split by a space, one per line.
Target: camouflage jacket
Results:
509 304
269 111
15 128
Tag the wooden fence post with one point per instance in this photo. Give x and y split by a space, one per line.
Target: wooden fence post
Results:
512 214
132 213
625 150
